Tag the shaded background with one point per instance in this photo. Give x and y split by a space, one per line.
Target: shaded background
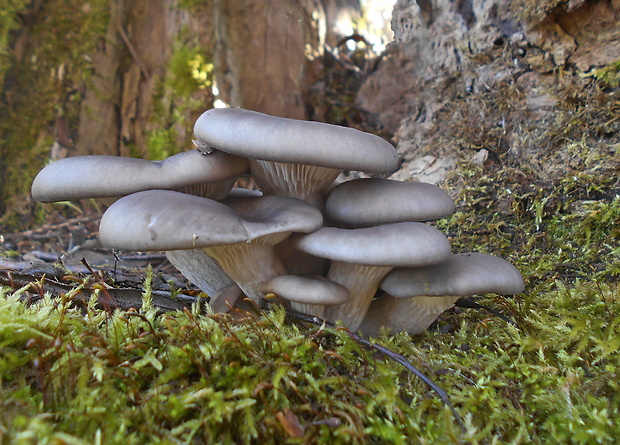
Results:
532 85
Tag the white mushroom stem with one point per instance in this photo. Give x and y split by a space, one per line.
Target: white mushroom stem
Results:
200 269
248 264
316 310
306 182
413 315
362 282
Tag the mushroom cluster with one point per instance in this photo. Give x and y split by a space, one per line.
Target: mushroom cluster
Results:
324 249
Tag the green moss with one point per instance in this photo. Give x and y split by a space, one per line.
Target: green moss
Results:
608 76
186 377
188 71
40 83
9 22
183 377
180 97
161 143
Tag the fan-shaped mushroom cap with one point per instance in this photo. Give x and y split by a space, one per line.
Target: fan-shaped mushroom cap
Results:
373 201
307 290
240 238
362 257
459 275
260 136
267 215
399 244
84 177
167 220
291 157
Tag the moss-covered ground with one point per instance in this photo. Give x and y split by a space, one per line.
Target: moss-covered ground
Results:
74 374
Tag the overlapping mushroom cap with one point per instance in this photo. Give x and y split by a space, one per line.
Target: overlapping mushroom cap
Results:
227 248
393 245
415 296
292 157
240 236
168 220
373 201
307 290
83 177
459 275
261 136
361 258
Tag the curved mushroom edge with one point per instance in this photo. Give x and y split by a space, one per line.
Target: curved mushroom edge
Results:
153 217
84 177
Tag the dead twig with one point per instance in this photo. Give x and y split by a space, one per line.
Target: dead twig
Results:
52 227
122 298
132 50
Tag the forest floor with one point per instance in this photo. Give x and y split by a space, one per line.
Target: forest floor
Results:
108 347
76 373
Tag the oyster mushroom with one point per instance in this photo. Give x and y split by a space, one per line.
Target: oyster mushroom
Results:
240 236
416 296
372 201
360 258
292 157
82 177
308 294
208 175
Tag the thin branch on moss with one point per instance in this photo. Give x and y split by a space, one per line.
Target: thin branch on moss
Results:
295 315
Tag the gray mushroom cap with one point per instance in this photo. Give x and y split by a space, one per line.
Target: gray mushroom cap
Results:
393 245
373 201
260 136
264 215
83 177
459 275
307 290
168 220
362 257
241 240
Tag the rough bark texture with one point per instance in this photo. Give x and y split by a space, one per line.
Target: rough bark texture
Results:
495 81
125 78
261 50
119 107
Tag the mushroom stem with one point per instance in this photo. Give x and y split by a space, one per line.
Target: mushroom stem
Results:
362 282
225 298
412 315
200 269
248 264
306 182
316 310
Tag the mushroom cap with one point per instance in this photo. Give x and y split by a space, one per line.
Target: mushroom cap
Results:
392 245
459 275
260 136
265 215
372 201
84 177
306 290
168 220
